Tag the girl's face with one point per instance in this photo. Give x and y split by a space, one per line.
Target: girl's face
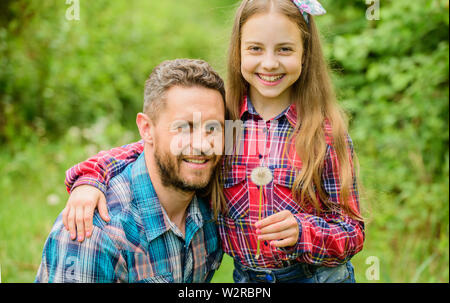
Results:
271 56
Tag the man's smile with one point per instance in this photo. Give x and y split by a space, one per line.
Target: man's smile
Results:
197 162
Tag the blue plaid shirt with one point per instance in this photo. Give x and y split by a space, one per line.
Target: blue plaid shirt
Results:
139 244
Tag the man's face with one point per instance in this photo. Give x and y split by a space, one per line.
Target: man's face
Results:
185 137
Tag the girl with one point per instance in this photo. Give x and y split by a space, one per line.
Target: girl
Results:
292 205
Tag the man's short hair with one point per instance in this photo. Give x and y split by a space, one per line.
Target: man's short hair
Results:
178 72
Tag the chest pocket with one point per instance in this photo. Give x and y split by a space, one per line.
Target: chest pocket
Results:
283 179
142 269
236 191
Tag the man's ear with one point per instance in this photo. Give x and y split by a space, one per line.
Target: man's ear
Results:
145 126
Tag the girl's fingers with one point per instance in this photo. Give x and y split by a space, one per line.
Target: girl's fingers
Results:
103 209
88 220
284 242
276 227
277 236
65 213
281 229
79 213
71 223
272 219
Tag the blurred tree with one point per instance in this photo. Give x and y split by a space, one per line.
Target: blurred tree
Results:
56 73
392 76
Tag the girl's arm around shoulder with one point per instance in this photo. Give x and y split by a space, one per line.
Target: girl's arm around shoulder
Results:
87 183
99 169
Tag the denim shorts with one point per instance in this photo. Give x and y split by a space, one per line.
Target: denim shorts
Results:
297 273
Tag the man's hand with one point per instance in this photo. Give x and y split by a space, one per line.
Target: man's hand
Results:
281 229
79 212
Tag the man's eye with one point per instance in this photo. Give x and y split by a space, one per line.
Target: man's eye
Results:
212 128
181 127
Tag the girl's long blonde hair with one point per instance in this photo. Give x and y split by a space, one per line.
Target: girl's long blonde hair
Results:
315 101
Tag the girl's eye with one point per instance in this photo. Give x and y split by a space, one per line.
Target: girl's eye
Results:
255 48
285 49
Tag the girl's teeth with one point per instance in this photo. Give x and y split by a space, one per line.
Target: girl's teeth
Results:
271 78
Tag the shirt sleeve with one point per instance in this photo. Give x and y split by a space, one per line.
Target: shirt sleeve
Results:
333 237
95 260
99 169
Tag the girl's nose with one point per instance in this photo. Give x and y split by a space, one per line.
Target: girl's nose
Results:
270 62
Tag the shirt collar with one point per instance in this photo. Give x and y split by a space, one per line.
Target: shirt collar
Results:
153 216
290 112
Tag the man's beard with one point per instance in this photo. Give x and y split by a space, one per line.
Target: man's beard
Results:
169 173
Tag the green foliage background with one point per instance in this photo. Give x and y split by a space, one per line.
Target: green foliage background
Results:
71 88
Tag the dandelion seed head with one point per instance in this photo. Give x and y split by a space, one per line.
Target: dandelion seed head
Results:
261 176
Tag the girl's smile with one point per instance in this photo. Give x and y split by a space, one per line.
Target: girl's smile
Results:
270 79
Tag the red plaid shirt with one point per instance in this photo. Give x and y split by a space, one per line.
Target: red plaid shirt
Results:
329 239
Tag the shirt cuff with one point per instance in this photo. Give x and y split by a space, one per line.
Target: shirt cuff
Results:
89 181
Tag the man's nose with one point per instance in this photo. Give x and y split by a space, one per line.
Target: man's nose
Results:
199 142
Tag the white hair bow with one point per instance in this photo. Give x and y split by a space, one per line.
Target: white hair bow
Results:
309 7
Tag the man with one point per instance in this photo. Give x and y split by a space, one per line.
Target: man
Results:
160 229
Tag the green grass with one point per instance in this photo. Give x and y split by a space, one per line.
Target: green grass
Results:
33 194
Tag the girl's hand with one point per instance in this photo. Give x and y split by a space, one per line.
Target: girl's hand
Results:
80 209
281 229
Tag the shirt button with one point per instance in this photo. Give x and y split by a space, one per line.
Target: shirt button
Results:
260 156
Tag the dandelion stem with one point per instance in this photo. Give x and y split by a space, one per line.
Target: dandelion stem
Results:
259 218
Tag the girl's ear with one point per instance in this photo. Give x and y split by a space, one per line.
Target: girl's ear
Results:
145 126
